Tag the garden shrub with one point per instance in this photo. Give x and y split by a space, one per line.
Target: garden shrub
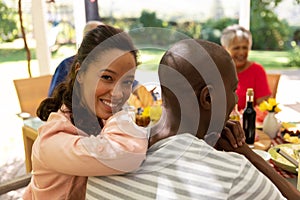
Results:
294 55
8 25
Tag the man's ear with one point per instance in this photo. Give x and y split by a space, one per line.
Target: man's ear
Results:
205 98
78 75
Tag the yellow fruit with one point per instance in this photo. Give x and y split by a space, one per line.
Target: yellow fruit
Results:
286 136
146 112
287 125
291 139
155 112
294 139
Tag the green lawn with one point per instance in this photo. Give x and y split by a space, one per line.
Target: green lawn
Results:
270 59
13 55
149 58
9 53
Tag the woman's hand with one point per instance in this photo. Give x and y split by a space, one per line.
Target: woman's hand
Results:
234 134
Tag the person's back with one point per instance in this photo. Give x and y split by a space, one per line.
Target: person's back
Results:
179 163
184 167
60 73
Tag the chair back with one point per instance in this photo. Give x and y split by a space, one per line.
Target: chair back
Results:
273 80
14 184
31 91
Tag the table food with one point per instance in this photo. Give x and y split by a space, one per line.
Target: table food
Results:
147 106
262 141
290 149
142 120
291 132
287 137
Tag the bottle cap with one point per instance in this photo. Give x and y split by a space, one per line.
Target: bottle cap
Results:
250 91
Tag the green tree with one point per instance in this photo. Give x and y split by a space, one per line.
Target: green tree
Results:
149 19
269 33
276 2
8 25
294 56
212 28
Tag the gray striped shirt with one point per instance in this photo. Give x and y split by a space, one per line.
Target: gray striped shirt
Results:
185 167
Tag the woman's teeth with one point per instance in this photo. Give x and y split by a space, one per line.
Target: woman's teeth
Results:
109 103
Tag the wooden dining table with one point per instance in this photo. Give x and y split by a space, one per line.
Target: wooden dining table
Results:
263 142
289 114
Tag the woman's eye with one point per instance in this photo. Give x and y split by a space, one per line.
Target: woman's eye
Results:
106 77
128 82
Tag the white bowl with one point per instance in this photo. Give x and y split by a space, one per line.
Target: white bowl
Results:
265 155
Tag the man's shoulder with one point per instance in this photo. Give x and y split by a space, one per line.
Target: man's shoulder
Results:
67 61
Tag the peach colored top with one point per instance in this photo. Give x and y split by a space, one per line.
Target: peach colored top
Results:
63 156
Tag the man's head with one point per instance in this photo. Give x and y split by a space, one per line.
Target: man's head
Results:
198 80
90 25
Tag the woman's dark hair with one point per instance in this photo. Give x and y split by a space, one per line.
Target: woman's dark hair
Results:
95 42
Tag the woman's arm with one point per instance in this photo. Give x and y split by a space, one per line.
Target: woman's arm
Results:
121 147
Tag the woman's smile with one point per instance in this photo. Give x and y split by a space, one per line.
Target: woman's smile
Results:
111 106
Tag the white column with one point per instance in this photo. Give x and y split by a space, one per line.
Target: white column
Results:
244 18
40 32
79 19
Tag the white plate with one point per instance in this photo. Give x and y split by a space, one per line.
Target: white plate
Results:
265 155
281 161
24 115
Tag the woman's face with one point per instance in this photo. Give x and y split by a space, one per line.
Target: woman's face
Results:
239 49
107 83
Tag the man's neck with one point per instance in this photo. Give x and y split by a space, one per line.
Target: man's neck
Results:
163 128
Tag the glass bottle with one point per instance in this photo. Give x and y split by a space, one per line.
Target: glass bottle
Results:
235 115
249 117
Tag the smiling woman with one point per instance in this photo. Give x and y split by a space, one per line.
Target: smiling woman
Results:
87 133
238 41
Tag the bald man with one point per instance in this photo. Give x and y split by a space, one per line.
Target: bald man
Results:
198 81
